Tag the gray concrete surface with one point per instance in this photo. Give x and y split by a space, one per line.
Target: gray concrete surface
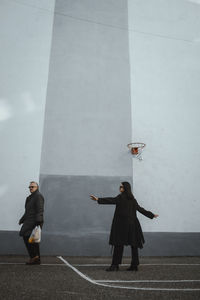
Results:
54 280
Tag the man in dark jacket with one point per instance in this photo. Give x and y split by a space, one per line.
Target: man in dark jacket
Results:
33 216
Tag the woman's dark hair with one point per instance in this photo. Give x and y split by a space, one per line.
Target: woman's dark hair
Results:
127 190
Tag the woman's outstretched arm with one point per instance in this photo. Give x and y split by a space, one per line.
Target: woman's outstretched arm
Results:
145 212
106 200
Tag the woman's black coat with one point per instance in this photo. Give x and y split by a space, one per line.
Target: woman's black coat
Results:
33 215
126 229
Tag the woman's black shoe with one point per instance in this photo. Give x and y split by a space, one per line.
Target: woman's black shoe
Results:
132 268
113 268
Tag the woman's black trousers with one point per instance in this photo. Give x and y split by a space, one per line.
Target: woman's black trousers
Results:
118 253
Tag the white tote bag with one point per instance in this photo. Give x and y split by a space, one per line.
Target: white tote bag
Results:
35 236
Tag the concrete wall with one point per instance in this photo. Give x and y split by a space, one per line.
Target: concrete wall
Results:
165 73
118 71
25 33
87 122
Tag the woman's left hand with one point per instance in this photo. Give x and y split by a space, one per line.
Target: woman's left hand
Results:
94 198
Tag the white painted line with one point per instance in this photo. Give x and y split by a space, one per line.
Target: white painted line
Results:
15 263
125 265
93 265
170 265
117 286
100 265
51 264
133 281
77 271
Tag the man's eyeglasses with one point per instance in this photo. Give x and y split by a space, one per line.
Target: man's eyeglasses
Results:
31 187
121 187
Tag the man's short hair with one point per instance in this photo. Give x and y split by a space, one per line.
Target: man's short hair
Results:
35 183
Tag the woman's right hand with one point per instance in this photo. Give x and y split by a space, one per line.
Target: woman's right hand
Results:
94 198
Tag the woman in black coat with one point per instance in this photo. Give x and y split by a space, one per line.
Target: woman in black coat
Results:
126 229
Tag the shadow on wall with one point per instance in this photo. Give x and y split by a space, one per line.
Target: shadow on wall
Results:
72 218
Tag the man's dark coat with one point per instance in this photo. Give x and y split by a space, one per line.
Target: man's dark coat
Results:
34 208
126 229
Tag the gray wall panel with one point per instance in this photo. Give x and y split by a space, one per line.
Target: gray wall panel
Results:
87 122
68 208
79 225
88 108
157 244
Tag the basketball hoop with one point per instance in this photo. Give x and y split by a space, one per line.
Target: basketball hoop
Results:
136 149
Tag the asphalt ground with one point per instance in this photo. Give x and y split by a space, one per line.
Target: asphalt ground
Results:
85 278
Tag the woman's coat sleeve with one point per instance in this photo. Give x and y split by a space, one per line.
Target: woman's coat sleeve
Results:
143 211
110 200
